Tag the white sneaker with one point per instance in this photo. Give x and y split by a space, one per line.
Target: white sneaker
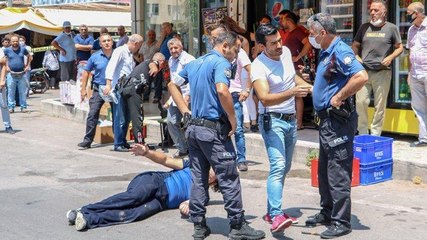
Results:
80 222
30 92
71 216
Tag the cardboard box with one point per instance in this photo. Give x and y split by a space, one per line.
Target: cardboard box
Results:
104 134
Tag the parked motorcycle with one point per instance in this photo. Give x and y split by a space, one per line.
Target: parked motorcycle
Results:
39 80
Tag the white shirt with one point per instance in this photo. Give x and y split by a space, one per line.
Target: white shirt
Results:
121 63
280 76
239 82
176 65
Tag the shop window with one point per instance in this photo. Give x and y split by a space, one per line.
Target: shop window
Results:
183 14
155 9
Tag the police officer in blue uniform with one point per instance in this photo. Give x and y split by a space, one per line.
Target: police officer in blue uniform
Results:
339 76
209 129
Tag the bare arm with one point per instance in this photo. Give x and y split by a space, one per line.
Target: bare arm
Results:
55 44
28 64
397 51
226 100
157 157
244 94
304 51
269 99
83 47
2 76
356 49
353 85
175 92
84 79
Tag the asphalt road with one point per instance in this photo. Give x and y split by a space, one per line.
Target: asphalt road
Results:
43 174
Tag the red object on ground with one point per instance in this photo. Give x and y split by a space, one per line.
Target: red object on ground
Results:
355 181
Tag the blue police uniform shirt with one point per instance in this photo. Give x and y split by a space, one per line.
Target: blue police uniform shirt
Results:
337 64
178 184
98 62
203 74
164 47
83 55
15 58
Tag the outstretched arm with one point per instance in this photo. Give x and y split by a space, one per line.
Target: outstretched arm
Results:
157 157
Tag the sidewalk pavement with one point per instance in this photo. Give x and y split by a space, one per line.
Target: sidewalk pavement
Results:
407 162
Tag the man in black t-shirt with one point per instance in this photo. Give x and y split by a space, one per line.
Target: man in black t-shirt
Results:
376 45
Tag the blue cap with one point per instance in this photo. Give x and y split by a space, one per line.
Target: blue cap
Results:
66 24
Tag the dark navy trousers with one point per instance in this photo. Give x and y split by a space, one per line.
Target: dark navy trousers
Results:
335 167
206 150
145 196
95 105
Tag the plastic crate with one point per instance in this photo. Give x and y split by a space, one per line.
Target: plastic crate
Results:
376 172
355 180
370 149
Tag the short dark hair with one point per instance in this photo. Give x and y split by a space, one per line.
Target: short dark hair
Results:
265 16
263 31
226 36
291 15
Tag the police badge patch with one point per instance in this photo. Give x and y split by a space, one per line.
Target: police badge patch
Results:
227 73
348 60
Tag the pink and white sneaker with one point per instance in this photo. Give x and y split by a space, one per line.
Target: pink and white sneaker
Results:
280 223
267 218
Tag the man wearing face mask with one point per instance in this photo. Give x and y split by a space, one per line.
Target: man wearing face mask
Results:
64 42
339 76
417 45
376 45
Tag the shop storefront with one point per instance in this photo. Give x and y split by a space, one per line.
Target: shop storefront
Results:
349 15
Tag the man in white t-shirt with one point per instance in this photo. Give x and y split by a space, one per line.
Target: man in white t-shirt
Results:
274 80
240 88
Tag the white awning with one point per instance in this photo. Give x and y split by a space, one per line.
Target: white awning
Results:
93 19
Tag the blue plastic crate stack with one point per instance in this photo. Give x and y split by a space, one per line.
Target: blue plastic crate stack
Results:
376 161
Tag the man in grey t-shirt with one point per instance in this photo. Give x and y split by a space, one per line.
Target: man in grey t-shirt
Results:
376 45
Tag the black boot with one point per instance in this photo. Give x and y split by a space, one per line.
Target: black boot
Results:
201 230
244 231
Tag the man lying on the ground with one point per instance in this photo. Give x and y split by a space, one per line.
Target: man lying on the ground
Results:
147 194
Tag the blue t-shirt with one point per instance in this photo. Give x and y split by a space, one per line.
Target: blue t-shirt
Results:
203 74
83 55
179 187
15 58
337 64
67 43
98 62
164 47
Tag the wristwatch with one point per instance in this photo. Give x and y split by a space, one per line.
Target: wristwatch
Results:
248 90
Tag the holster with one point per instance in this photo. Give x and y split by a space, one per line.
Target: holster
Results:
344 112
223 128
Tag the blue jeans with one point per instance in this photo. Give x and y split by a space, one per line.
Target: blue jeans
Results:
4 111
239 135
174 128
280 142
12 84
145 196
121 120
